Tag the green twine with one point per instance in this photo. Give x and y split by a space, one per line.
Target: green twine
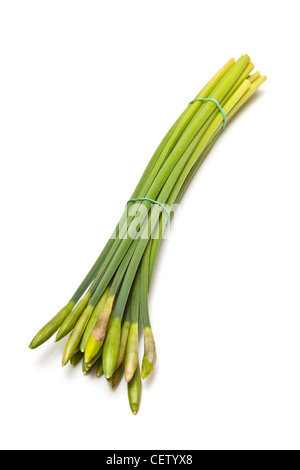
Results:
217 104
153 202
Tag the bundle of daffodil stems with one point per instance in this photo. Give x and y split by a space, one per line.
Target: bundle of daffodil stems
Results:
109 311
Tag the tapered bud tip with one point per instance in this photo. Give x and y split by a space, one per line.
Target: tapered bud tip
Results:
114 385
76 358
128 375
149 359
99 371
66 355
135 399
108 375
135 408
59 336
135 391
35 343
117 377
92 348
111 348
51 327
131 359
147 368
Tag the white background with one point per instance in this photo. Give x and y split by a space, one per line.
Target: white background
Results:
87 91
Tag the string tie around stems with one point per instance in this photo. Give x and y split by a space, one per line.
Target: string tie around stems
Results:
153 202
217 104
159 203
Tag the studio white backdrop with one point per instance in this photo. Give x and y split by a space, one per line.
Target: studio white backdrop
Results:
87 91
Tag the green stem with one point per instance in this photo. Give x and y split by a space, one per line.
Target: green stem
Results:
183 134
